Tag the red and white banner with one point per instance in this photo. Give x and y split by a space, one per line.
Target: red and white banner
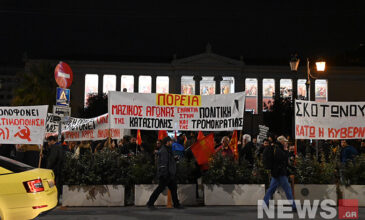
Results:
329 120
23 124
80 129
176 112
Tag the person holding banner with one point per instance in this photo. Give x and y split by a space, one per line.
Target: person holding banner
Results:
166 171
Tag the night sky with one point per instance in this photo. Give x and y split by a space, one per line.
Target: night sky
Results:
263 32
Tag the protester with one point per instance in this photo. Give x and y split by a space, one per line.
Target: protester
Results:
247 149
55 161
224 148
362 147
279 170
178 147
166 171
7 150
348 152
83 148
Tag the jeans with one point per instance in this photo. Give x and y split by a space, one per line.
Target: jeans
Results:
274 184
163 182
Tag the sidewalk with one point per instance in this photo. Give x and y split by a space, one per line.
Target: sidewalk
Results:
162 213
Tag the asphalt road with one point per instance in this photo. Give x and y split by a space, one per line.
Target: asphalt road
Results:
162 213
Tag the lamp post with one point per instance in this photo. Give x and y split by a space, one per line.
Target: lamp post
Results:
294 63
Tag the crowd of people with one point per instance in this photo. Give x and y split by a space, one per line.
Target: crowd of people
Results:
52 154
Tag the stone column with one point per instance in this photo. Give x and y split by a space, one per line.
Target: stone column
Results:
100 83
118 82
197 80
295 88
277 88
312 90
153 78
259 95
136 77
218 80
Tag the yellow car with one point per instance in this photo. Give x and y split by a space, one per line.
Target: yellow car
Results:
25 191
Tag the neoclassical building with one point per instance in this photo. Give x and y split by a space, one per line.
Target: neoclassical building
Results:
210 73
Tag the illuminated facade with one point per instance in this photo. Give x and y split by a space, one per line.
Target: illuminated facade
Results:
209 73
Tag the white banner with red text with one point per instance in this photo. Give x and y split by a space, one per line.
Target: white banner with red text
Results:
329 120
83 129
23 124
176 112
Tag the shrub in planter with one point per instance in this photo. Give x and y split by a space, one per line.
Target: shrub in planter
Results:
311 171
187 171
142 169
224 170
353 172
97 175
103 168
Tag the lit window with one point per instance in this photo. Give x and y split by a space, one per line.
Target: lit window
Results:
302 89
187 85
286 88
144 84
268 91
127 82
162 84
91 86
321 90
251 95
109 83
227 85
207 85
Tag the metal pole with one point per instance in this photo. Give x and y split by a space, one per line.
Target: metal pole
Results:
308 80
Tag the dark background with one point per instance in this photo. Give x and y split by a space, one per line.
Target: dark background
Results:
263 32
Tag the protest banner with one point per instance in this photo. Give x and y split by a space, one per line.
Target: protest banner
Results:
23 124
52 124
176 112
329 120
80 129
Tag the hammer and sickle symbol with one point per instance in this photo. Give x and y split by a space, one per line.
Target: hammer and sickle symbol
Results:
24 133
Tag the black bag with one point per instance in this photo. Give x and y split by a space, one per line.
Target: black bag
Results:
268 157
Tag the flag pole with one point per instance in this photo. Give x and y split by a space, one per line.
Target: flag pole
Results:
40 156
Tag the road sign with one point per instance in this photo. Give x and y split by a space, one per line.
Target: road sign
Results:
63 75
64 111
63 97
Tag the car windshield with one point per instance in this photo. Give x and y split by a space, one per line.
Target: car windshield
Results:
13 165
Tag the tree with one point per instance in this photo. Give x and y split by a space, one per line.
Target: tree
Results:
280 115
37 87
97 104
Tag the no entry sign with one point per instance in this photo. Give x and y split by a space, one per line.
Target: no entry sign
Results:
63 75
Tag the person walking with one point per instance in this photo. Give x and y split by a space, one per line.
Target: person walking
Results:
55 159
279 174
348 152
166 171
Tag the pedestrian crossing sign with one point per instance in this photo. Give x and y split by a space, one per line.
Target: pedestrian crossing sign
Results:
63 97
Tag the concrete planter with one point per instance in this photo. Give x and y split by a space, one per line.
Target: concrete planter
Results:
354 192
310 192
185 192
98 195
233 194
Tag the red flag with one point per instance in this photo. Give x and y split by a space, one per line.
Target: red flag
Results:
233 144
139 139
162 134
203 149
200 136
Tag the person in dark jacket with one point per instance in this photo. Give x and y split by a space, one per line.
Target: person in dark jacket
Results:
166 171
55 161
348 152
279 171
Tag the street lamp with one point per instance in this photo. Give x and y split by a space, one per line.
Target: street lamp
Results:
294 63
